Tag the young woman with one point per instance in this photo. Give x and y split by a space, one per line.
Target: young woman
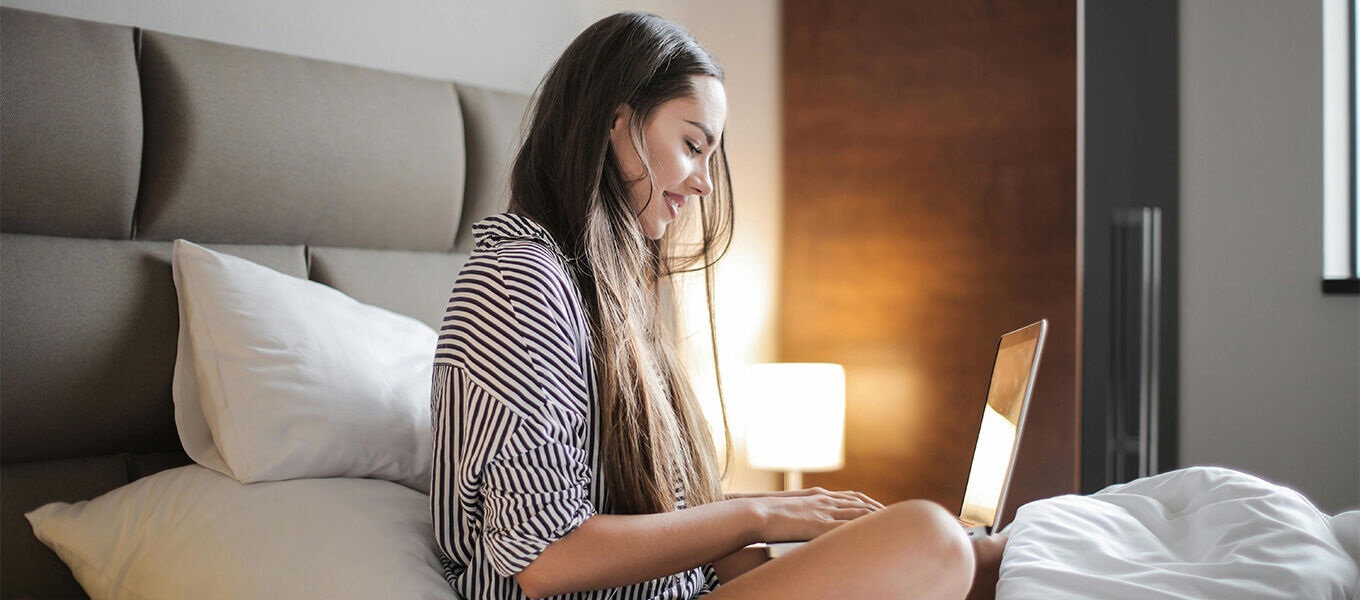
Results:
571 455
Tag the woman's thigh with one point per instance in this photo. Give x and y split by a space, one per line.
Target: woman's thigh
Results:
912 549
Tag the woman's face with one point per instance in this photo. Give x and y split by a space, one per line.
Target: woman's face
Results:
679 138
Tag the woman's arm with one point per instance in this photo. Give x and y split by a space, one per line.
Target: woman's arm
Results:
737 563
616 550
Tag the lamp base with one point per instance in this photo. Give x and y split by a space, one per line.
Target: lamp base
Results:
793 480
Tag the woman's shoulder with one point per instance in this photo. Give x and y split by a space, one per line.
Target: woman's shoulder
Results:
524 257
508 229
512 312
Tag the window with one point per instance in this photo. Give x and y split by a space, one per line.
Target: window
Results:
1341 263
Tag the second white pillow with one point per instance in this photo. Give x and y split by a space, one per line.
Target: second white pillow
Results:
295 379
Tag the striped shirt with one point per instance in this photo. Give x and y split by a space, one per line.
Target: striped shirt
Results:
515 418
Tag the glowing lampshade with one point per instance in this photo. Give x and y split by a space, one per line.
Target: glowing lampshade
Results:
797 418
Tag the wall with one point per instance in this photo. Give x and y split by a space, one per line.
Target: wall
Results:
930 206
504 45
1270 367
509 45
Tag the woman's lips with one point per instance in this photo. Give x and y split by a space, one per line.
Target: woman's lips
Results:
674 203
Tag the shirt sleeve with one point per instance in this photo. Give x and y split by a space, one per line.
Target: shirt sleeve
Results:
710 581
532 495
527 411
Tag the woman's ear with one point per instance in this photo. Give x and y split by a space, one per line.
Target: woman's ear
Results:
622 115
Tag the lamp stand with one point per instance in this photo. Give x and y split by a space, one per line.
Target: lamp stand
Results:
793 480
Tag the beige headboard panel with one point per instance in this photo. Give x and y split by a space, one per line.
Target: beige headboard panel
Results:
115 141
248 146
493 126
71 127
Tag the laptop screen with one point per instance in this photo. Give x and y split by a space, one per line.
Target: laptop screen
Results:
1001 419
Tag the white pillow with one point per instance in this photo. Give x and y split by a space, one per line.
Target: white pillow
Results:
193 533
279 378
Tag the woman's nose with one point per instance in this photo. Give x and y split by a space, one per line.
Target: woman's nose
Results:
699 182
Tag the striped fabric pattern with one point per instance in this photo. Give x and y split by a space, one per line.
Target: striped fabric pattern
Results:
517 462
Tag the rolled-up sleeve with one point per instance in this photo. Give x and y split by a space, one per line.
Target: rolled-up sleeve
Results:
516 438
533 495
710 581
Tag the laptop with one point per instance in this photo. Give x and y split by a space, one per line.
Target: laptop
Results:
998 441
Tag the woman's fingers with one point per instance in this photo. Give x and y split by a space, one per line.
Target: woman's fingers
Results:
858 498
842 494
848 514
843 499
868 500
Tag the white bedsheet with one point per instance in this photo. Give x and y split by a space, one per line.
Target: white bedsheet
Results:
1200 532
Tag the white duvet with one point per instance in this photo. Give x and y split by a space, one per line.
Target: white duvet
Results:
1200 532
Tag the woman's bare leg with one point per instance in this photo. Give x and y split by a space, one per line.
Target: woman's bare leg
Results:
987 566
912 549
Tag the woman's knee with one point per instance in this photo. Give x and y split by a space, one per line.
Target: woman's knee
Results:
933 538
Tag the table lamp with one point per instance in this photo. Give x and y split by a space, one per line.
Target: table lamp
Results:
797 418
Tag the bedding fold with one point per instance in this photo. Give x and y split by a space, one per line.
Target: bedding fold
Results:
1195 533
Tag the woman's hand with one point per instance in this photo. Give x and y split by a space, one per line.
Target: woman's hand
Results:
800 515
806 492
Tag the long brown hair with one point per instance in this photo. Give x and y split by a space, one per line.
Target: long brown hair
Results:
654 439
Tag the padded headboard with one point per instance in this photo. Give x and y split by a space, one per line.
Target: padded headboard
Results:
115 141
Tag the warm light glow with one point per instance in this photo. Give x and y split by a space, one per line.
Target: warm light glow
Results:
797 416
990 461
744 309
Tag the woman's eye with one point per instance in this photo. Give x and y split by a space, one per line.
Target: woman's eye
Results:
692 148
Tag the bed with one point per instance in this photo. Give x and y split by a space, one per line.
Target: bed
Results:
1196 532
175 214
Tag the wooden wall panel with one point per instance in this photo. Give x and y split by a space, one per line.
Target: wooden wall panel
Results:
930 206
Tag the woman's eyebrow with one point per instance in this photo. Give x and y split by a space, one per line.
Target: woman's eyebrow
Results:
708 133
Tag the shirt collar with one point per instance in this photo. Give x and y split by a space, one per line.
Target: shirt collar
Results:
509 226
